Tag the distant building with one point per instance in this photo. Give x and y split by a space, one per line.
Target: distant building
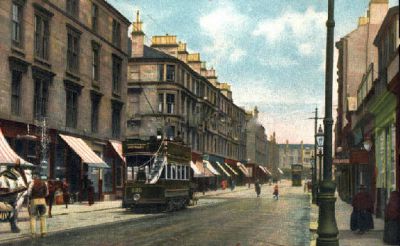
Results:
295 154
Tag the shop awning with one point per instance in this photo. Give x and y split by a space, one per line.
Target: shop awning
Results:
265 170
223 169
117 146
7 154
204 171
243 169
230 168
211 168
84 151
280 171
196 171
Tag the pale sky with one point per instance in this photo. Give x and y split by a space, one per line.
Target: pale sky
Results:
271 52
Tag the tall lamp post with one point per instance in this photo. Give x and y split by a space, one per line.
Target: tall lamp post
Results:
327 227
320 143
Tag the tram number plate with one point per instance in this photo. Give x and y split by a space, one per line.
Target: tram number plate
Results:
136 190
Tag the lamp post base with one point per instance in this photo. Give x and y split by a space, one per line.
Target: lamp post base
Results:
327 228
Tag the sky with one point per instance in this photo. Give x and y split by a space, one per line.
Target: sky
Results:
272 52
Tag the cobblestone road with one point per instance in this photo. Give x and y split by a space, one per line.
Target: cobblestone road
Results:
230 219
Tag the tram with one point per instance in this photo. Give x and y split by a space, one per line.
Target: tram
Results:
159 175
297 170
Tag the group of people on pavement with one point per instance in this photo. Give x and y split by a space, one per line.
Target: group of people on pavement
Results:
275 193
361 219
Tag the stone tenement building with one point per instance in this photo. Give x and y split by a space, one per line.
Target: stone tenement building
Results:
357 73
295 154
63 72
171 92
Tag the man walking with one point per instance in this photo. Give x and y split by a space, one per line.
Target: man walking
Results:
37 192
257 187
361 218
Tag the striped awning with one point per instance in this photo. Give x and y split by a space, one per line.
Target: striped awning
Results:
232 170
84 151
204 171
223 169
265 170
211 168
196 171
243 169
117 146
8 155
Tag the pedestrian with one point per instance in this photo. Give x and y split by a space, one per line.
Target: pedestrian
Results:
37 192
50 198
90 193
276 192
257 187
391 233
361 217
65 191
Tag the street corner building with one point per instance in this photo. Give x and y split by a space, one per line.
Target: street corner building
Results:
367 125
63 90
171 93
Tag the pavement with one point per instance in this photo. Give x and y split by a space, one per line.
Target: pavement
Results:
220 218
346 236
81 215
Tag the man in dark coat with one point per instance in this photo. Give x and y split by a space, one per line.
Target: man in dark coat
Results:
258 187
361 218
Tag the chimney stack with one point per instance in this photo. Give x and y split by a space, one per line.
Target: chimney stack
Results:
137 37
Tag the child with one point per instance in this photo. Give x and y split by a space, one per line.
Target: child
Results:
276 192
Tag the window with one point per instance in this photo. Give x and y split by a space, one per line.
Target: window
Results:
116 33
95 114
95 15
73 51
170 103
95 61
16 24
160 72
73 7
15 92
41 98
116 120
116 78
160 103
42 34
72 108
170 72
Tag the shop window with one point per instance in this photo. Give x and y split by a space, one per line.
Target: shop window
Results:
107 180
118 174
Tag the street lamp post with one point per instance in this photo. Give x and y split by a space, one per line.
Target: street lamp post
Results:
327 227
320 143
